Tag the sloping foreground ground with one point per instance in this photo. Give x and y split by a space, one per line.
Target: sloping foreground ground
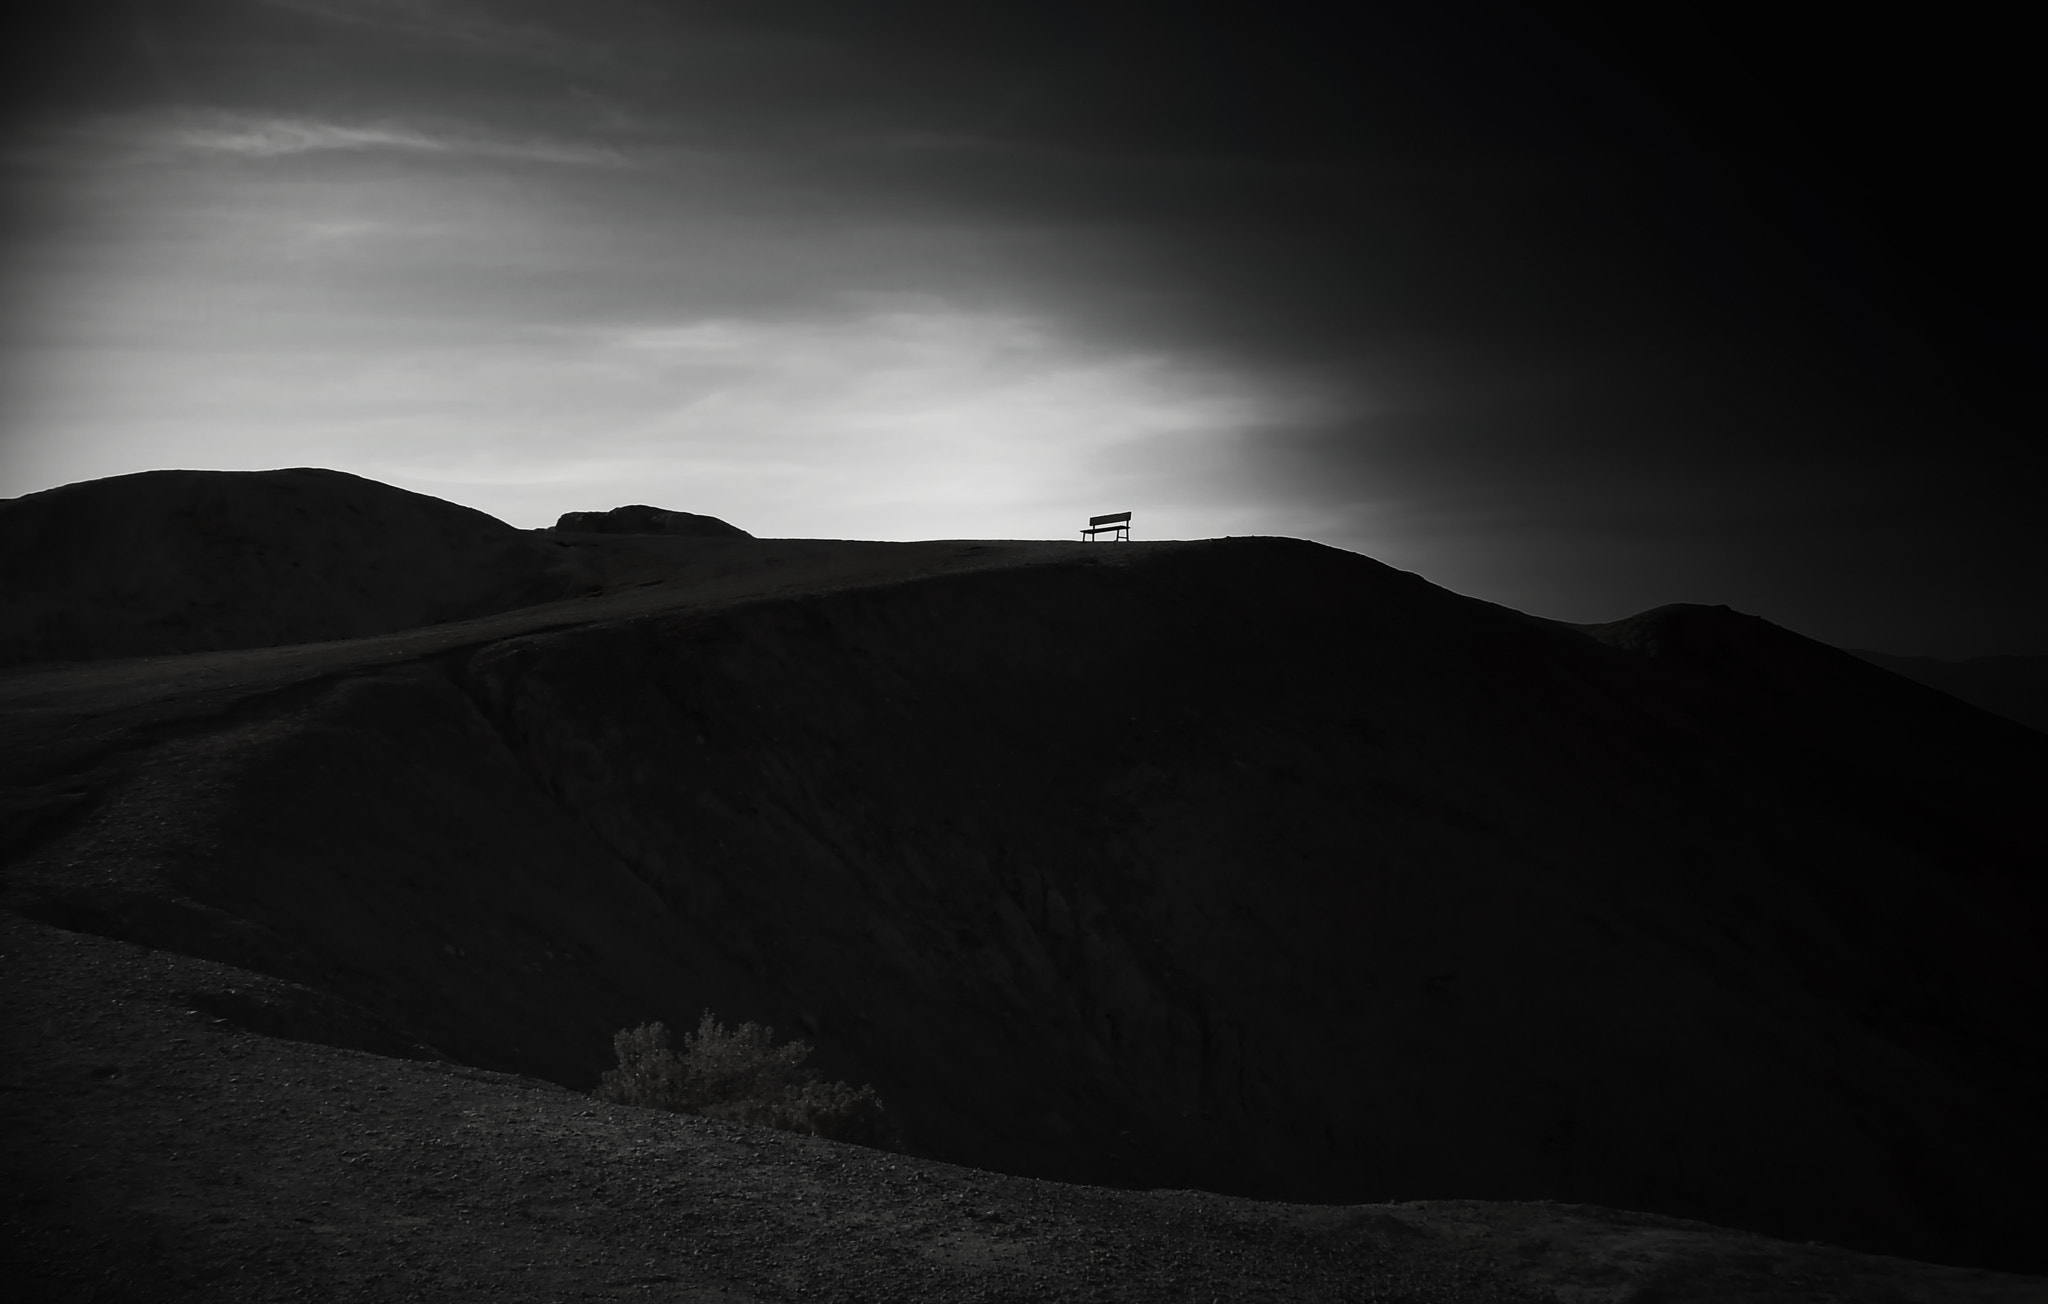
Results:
152 1151
1249 866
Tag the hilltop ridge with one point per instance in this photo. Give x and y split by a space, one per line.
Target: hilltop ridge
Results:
166 562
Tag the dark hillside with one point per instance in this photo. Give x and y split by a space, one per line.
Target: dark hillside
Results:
1248 865
2015 687
164 562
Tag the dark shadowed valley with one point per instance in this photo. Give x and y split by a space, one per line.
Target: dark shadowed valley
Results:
1233 919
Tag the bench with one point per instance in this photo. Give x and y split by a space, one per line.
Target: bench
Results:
1117 523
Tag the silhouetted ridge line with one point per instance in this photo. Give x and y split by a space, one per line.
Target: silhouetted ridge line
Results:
2015 687
1838 723
167 562
639 518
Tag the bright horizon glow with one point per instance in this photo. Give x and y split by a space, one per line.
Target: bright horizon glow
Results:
915 420
292 291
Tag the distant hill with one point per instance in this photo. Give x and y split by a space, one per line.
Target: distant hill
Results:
2014 687
639 518
164 562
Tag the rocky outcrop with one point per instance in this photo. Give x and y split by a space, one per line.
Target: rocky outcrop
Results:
641 519
164 562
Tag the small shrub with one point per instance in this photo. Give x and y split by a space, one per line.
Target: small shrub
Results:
741 1076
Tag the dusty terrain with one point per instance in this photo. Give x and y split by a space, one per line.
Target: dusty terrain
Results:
1245 866
155 1150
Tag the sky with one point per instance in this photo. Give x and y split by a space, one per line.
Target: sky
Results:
1577 308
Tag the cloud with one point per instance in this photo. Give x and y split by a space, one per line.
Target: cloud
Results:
917 415
909 417
259 136
1382 281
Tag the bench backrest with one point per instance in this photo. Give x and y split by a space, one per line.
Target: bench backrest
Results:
1114 518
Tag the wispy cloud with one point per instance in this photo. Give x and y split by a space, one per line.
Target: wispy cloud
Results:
175 134
257 136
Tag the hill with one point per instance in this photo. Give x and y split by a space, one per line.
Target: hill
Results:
642 519
164 562
1245 865
2015 687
